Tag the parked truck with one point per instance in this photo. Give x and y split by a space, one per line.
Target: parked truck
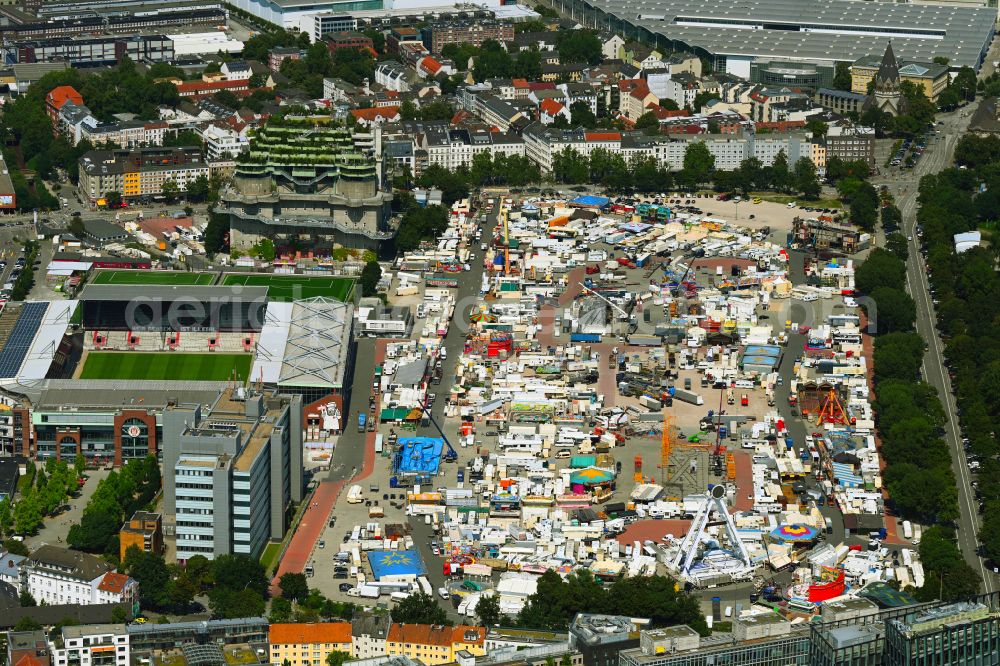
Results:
585 337
354 495
640 340
689 397
361 422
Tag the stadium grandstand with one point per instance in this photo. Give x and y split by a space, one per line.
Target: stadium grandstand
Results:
172 308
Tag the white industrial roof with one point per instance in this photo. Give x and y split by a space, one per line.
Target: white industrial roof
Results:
808 30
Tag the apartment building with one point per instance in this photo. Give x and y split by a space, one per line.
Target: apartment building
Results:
59 97
453 147
222 142
138 173
56 575
308 644
434 644
542 144
436 36
127 134
231 470
851 145
91 645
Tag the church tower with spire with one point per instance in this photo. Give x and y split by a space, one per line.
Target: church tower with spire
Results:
886 95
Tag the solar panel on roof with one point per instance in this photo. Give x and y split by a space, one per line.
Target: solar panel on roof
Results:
21 337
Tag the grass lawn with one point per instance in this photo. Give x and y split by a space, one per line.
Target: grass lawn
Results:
153 277
296 287
270 554
165 366
787 198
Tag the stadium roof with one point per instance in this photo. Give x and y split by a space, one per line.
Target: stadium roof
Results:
33 341
125 292
304 343
841 30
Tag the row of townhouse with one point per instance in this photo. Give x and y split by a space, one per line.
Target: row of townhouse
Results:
372 635
542 144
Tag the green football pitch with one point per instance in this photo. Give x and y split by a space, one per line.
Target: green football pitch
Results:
153 277
296 287
166 366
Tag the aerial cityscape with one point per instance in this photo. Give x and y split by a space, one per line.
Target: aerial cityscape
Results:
571 332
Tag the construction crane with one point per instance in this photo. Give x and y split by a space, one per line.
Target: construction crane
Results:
665 444
451 455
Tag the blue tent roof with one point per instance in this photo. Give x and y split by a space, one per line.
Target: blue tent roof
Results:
590 200
395 563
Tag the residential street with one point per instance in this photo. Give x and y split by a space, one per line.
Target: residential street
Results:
938 156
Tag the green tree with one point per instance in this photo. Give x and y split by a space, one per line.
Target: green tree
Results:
948 576
580 46
488 610
197 190
648 123
881 269
582 115
118 615
25 599
294 586
569 166
229 603
699 163
170 190
80 465
27 515
420 608
263 250
806 180
898 356
16 547
370 276
817 128
150 571
281 610
898 245
896 310
864 206
337 658
701 99
842 76
237 572
6 517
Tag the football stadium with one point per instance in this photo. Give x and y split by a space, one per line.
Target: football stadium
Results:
287 288
184 331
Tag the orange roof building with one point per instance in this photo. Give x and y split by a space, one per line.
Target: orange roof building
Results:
434 644
307 644
58 97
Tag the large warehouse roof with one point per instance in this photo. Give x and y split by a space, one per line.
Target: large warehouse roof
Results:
822 30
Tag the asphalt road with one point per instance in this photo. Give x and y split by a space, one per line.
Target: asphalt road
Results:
936 157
